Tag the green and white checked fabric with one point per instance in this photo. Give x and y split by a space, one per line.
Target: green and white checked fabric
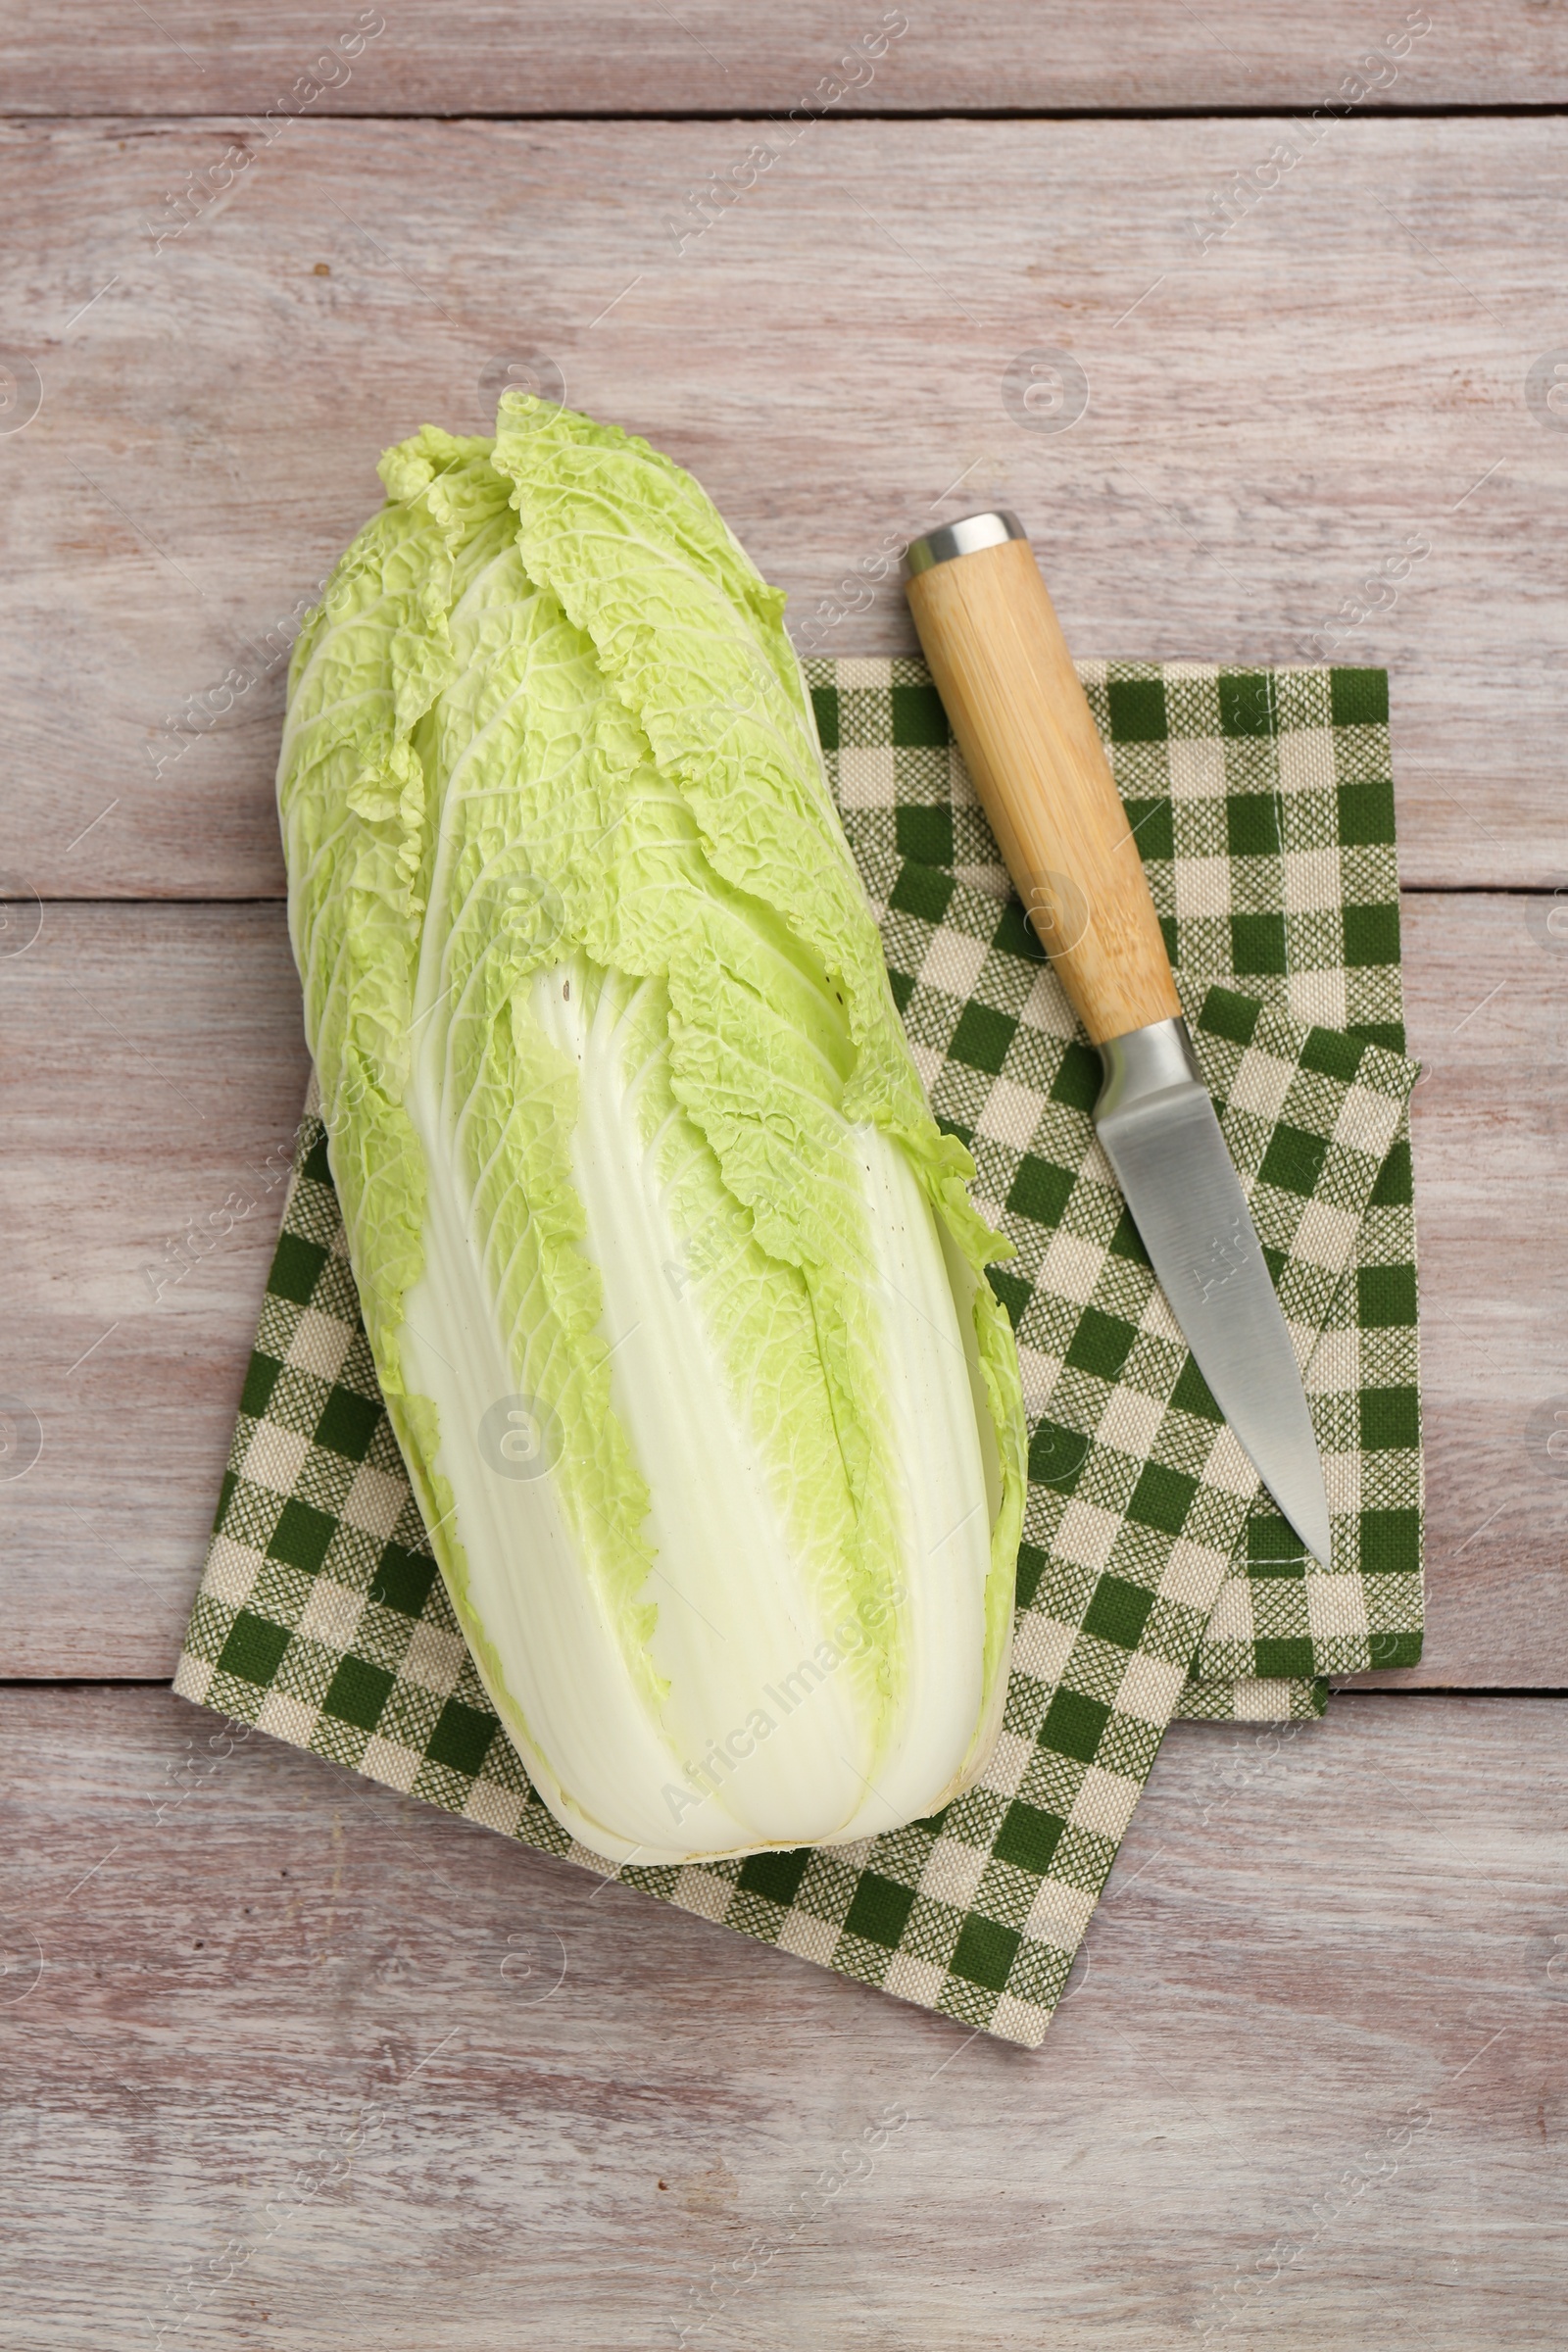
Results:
1263 803
1264 806
1153 1576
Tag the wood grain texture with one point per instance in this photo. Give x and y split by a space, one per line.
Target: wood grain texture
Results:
1000 664
155 1072
1311 433
530 58
119 1138
1312 2072
1487 998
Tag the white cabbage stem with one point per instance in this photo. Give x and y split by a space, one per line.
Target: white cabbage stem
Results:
763 1737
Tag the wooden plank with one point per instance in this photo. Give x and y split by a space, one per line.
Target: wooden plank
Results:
157 1072
1487 994
119 1137
1273 420
530 58
1312 2079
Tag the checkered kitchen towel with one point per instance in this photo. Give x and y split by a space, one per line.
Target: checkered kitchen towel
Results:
1154 1577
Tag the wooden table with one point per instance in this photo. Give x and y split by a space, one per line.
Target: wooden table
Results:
1309 2087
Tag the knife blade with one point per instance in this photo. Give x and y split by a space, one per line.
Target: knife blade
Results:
1023 724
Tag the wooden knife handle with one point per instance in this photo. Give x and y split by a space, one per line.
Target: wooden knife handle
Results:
1023 724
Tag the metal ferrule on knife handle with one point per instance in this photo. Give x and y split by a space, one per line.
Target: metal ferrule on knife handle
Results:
1029 741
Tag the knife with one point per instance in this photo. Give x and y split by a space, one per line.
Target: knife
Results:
1023 724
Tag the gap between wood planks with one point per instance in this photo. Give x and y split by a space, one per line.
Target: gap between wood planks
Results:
1285 112
207 898
1337 1690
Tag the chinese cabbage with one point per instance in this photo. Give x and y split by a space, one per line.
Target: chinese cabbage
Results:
674 1289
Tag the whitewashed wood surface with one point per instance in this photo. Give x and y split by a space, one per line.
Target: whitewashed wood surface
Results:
540 57
157 1062
1272 422
1309 2088
1313 2077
